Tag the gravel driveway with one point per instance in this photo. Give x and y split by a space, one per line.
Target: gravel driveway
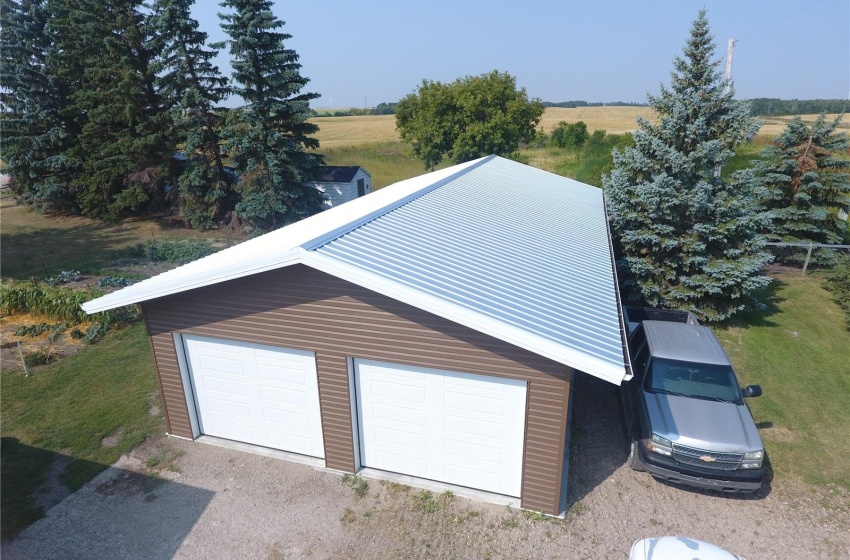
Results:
202 501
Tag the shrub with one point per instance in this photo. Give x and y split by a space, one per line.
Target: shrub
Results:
64 277
165 250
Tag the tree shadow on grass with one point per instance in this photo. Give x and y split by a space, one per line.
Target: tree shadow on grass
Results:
44 251
769 300
120 513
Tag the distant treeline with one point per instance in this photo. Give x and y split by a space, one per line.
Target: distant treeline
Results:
381 109
760 106
574 104
767 106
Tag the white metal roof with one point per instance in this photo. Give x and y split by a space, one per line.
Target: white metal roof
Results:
517 253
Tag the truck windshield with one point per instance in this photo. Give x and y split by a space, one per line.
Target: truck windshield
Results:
690 379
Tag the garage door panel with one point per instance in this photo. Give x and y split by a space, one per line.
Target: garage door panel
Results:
285 396
256 394
400 439
282 440
473 427
229 430
397 392
453 427
398 414
288 420
225 385
483 455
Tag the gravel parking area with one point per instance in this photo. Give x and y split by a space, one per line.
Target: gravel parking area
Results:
201 501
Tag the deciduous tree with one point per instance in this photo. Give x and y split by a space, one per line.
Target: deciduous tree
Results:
686 237
468 118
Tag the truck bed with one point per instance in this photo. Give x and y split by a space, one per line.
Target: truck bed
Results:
634 316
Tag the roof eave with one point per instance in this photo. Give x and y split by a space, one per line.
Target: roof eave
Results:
479 322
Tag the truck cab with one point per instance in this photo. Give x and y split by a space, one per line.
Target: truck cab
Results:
685 412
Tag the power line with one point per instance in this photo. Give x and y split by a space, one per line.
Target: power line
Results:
783 19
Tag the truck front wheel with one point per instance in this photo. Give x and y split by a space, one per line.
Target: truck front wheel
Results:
634 461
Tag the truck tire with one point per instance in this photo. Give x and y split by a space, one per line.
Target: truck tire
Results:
634 461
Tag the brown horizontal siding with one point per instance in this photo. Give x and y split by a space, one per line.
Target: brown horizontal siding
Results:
170 382
298 307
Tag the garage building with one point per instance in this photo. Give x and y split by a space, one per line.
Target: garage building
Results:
428 330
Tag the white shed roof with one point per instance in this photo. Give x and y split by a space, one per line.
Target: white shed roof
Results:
517 253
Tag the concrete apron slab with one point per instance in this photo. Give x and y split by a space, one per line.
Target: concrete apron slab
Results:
376 474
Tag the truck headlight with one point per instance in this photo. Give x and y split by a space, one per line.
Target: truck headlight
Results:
660 445
753 459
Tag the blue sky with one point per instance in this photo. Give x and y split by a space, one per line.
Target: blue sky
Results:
363 53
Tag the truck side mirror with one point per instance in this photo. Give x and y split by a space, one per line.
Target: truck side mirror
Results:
752 391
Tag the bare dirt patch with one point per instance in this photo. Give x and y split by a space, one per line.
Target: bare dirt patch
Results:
61 346
112 440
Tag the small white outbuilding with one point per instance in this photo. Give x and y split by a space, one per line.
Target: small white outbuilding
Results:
342 183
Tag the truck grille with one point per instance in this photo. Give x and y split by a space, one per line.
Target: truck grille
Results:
716 461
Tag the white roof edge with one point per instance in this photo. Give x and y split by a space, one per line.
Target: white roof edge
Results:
624 331
276 249
512 335
119 299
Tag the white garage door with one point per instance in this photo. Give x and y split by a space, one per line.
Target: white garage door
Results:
256 394
451 427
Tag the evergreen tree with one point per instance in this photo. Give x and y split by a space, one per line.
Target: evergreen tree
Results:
104 49
32 100
192 86
805 181
270 139
686 237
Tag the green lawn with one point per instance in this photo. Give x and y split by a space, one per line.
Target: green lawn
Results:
386 162
798 350
68 408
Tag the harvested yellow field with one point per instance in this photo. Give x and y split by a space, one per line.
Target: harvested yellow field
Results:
372 129
354 131
614 120
773 126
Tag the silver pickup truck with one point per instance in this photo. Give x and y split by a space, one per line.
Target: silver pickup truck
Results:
685 412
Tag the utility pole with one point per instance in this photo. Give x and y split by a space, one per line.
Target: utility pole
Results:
730 49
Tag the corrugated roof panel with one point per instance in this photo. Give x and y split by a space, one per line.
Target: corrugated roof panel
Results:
518 245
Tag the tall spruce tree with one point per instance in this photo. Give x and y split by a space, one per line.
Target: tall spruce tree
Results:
270 140
192 87
687 238
104 47
805 180
32 100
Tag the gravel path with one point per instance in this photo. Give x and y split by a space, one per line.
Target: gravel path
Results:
202 501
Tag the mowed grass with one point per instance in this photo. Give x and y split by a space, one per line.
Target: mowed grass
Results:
66 409
799 352
387 162
37 245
